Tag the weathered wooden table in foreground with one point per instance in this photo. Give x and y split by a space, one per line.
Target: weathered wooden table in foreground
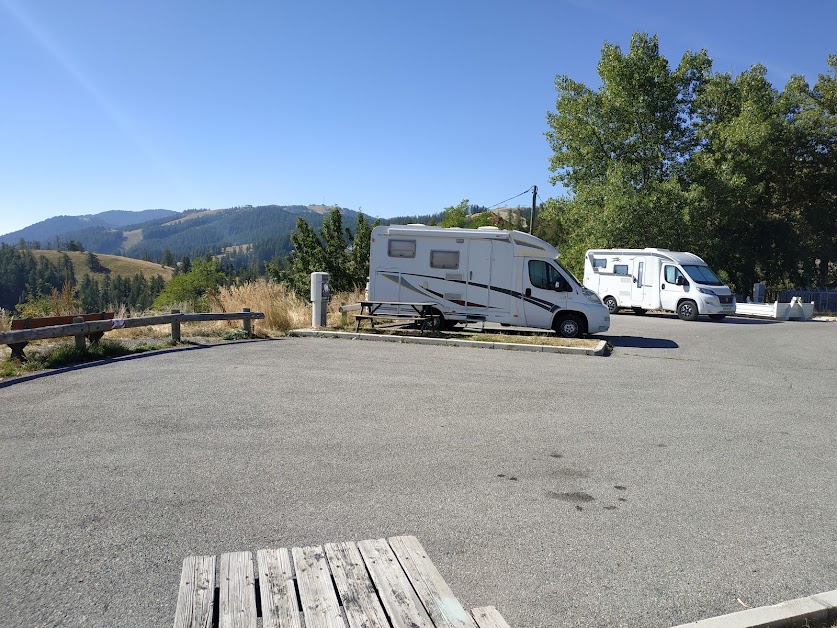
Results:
382 583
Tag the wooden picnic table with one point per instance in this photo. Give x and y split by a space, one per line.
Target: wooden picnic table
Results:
381 583
411 311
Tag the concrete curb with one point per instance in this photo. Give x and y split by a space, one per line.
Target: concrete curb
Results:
801 612
451 342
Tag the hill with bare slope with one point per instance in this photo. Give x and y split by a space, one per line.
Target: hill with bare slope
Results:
115 264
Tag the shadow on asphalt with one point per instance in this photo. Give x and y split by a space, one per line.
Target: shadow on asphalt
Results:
136 356
640 342
734 320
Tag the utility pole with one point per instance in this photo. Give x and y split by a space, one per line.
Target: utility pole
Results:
534 200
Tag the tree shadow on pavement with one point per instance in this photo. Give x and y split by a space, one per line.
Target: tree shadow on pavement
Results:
11 381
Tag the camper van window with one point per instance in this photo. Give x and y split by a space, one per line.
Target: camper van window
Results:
444 259
402 248
543 275
599 262
703 274
620 269
672 273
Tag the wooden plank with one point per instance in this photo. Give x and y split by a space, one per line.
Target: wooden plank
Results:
49 321
196 594
397 595
360 601
90 327
488 617
319 600
237 591
278 592
440 602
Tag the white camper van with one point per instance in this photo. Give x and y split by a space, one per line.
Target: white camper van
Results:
484 274
657 279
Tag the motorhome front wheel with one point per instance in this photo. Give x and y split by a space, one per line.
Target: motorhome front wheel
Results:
687 310
569 326
612 305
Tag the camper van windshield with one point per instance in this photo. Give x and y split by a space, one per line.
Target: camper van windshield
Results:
568 274
703 275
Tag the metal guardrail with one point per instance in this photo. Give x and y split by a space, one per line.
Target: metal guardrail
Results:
17 340
824 300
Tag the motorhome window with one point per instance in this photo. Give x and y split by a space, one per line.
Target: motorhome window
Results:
572 278
703 275
402 248
444 259
672 273
599 262
620 269
542 275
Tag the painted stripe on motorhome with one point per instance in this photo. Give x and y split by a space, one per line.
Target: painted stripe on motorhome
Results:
517 295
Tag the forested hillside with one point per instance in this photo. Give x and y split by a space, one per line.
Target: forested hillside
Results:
29 278
96 231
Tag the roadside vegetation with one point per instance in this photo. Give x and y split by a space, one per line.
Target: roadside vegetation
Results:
65 354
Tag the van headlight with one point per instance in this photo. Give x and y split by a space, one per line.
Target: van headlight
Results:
592 296
707 291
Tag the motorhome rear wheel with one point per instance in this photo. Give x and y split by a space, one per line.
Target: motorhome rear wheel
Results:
612 305
435 322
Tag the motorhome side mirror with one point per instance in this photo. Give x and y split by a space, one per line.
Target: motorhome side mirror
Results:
680 281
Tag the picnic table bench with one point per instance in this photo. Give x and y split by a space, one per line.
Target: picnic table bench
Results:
404 311
49 321
382 583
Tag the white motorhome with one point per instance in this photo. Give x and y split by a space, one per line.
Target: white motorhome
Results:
657 279
484 274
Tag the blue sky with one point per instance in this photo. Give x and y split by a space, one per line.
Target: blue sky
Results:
387 107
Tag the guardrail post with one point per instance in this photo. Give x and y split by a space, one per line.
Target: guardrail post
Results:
175 327
81 342
247 323
344 316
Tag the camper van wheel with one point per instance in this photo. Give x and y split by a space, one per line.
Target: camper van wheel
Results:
611 304
568 326
717 317
639 311
435 322
687 310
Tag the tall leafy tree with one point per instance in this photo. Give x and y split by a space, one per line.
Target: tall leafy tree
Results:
620 149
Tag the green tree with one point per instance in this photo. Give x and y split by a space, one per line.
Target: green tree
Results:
195 288
167 259
359 254
456 215
620 150
745 214
95 264
327 251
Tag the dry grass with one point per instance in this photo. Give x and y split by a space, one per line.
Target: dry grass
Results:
552 341
118 265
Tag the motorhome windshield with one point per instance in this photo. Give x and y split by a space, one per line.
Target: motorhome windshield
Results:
702 275
569 274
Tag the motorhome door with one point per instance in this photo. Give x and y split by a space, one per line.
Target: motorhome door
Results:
638 289
487 277
540 298
670 292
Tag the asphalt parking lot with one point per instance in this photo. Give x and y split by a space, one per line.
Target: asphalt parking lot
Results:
691 469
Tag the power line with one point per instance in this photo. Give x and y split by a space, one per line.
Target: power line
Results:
526 191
